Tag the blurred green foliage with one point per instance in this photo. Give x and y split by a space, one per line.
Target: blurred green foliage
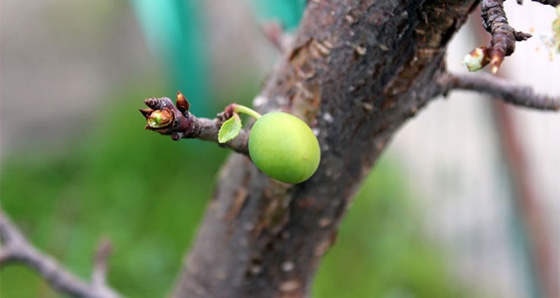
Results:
147 195
143 191
380 250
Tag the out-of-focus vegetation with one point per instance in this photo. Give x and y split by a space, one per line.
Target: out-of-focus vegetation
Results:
380 250
147 194
144 192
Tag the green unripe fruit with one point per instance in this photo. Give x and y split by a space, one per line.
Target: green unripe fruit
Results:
284 147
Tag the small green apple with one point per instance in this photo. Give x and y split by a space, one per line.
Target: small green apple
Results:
284 147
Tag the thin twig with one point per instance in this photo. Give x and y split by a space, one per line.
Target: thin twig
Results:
503 36
494 20
15 248
277 36
509 92
175 120
99 274
548 2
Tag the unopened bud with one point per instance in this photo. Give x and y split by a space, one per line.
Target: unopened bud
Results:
159 119
476 59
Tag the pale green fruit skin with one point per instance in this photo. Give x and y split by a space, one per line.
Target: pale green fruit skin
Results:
284 147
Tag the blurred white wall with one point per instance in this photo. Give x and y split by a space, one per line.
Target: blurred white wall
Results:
59 59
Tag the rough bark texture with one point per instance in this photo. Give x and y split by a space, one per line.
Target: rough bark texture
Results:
358 70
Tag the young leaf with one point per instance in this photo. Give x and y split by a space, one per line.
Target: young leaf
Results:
230 129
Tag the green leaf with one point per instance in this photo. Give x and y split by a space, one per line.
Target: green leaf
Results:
230 129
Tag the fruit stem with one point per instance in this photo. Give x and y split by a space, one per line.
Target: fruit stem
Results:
245 110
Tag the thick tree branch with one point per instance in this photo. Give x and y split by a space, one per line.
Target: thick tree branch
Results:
175 120
16 249
499 88
357 71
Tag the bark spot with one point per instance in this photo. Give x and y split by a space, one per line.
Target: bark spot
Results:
260 101
383 47
324 222
290 286
321 48
288 266
220 275
328 117
323 247
255 267
237 205
368 107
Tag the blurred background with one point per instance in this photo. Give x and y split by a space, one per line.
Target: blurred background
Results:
449 211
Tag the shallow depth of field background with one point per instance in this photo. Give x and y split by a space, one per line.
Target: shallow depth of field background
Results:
436 218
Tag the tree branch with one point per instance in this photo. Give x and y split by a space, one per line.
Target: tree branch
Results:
503 38
546 2
505 90
100 266
16 249
357 71
175 120
277 36
494 20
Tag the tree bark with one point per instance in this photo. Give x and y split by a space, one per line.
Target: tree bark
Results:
357 71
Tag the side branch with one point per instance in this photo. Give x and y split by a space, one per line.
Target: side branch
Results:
504 36
175 120
548 2
15 248
505 90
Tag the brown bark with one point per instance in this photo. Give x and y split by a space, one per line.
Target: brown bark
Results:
357 72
